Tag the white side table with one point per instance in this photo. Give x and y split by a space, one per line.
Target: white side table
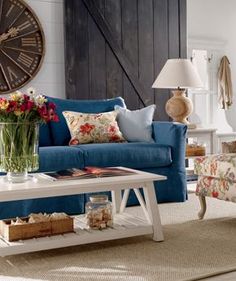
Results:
206 134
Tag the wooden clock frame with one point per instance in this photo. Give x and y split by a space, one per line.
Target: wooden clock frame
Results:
19 64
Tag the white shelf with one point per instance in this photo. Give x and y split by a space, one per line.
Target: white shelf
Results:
125 225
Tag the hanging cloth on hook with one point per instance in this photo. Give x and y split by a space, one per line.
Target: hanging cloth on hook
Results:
225 91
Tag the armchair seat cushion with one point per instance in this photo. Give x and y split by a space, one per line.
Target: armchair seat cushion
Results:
133 155
216 176
216 165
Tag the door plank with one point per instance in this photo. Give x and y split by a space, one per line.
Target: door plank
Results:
174 47
145 45
161 47
97 57
183 28
69 48
77 58
130 46
114 78
81 54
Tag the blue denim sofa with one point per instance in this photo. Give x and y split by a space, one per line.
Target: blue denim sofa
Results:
165 156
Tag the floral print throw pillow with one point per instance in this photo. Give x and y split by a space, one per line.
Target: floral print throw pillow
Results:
93 128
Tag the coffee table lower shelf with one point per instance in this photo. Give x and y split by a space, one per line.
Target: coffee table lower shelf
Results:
125 225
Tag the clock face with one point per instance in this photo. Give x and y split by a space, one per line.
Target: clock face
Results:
21 45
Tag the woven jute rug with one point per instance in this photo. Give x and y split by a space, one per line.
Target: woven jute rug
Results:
192 250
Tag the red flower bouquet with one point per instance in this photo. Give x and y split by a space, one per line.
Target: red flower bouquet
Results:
20 116
31 108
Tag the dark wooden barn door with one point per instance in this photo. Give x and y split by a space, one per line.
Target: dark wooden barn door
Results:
117 48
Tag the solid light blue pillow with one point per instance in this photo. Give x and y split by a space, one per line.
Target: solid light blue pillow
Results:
136 125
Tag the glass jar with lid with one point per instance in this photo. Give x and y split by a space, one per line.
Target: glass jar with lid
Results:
99 212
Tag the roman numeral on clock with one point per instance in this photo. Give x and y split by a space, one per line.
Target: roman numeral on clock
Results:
28 42
12 74
25 59
10 10
24 25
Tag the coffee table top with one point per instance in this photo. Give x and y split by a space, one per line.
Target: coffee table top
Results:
42 186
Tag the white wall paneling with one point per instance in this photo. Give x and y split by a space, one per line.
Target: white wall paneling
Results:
51 78
206 110
214 22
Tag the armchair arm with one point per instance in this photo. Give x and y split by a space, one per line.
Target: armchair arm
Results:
174 135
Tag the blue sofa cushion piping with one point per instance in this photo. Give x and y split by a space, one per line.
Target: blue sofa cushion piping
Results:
60 131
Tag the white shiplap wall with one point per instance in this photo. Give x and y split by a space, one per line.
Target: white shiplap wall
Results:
215 20
50 80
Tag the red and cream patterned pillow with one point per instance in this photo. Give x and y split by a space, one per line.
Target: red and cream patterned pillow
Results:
93 128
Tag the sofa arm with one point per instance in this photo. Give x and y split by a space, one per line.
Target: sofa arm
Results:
174 135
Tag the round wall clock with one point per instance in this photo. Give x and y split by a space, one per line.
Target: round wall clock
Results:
22 45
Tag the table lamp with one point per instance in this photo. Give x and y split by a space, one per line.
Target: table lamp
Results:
179 74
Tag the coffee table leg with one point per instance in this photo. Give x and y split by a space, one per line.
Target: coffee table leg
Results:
153 211
124 200
116 200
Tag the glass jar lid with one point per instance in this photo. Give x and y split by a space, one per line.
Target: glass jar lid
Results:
98 198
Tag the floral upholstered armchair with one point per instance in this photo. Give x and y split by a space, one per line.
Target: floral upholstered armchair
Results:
216 178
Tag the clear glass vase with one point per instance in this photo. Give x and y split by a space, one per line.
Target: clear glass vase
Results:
99 212
19 150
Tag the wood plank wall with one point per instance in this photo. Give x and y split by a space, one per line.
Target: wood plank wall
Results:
117 48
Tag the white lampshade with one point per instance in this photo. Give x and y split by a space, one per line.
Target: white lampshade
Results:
178 73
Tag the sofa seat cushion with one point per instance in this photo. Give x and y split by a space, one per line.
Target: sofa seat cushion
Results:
133 155
55 158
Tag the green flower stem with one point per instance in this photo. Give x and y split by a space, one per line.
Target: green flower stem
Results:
18 147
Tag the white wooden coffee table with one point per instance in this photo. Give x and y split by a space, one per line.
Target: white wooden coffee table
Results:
125 224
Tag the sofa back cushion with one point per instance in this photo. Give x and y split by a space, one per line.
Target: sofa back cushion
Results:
45 138
60 131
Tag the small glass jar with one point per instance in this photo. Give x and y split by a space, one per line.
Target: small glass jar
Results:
99 212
